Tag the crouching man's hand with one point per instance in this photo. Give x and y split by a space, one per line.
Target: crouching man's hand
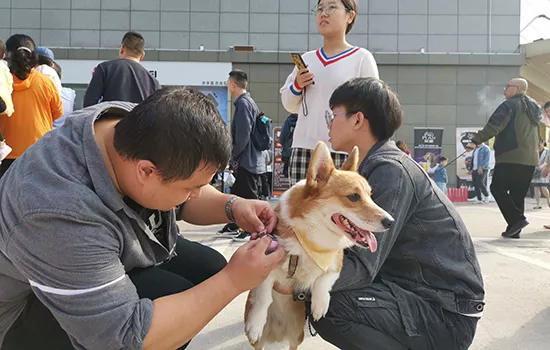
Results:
254 216
250 265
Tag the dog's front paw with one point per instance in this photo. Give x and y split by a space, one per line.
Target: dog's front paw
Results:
319 305
254 331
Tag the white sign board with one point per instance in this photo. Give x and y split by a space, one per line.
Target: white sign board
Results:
167 73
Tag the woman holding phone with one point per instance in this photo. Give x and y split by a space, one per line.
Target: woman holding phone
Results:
307 91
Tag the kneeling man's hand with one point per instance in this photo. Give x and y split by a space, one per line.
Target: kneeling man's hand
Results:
254 216
250 265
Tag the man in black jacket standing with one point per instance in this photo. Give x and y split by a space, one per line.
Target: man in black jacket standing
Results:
247 161
124 79
422 289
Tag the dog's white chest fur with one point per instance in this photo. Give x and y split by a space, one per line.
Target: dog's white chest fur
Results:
307 276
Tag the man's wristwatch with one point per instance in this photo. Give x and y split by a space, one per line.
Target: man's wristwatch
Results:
229 207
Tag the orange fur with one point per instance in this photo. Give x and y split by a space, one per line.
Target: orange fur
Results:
304 208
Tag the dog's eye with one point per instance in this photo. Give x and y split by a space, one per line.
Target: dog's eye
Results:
354 197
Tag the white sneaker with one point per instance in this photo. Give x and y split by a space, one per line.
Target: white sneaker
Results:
475 201
4 151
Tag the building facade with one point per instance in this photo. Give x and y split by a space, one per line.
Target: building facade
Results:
447 59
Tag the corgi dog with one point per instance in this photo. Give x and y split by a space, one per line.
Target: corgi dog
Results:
318 218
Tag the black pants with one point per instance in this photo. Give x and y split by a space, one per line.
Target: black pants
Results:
266 184
480 183
6 163
246 184
36 328
375 319
509 187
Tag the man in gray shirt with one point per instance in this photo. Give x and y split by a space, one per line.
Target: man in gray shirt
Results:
90 256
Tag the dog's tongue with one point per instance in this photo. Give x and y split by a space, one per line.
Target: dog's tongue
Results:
371 240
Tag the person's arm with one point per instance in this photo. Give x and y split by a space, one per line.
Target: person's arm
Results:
498 121
486 158
97 304
445 175
87 291
56 104
369 68
95 89
285 131
209 209
244 122
393 191
178 318
2 105
291 94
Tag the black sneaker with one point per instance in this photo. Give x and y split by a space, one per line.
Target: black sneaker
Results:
228 231
242 237
514 230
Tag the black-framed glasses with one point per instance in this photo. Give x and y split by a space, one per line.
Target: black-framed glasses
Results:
509 86
318 10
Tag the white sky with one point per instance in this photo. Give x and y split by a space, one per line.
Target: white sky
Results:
540 28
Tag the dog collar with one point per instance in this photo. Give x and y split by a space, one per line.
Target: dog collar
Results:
323 257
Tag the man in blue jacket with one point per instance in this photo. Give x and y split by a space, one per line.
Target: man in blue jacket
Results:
480 169
248 161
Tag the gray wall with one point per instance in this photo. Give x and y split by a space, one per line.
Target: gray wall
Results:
439 90
272 25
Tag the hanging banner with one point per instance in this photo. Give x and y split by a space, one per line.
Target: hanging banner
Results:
464 162
427 146
281 183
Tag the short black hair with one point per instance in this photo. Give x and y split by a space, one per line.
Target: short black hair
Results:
239 77
442 159
178 129
45 60
375 99
134 42
2 49
546 105
57 69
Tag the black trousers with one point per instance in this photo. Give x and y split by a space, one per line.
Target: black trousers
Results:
375 319
246 184
509 187
6 163
36 328
480 183
266 184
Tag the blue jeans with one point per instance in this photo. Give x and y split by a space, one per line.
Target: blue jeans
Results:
442 186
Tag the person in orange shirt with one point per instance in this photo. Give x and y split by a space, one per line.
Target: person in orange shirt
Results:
35 98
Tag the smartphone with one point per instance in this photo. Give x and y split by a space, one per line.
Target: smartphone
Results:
299 61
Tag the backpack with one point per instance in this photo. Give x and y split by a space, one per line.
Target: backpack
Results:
287 146
261 134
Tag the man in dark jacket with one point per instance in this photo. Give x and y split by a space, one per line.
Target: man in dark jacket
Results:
247 161
422 288
124 79
515 124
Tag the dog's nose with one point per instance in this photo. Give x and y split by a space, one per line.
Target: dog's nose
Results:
387 222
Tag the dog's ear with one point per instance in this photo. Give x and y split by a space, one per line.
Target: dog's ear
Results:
351 164
321 166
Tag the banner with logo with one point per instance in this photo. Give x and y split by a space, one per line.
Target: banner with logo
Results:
464 161
281 183
428 143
